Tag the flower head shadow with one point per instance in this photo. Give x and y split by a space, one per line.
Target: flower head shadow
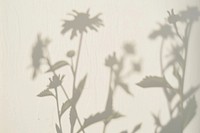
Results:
81 23
111 60
70 54
55 81
38 54
137 66
165 31
173 18
191 14
129 48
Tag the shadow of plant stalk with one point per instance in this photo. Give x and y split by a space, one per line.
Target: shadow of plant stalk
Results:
117 75
180 115
81 23
116 80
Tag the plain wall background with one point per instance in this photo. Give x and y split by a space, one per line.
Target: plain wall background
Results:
128 20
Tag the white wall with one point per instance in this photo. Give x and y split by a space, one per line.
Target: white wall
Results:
21 111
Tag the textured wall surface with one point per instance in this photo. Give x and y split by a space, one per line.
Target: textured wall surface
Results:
99 66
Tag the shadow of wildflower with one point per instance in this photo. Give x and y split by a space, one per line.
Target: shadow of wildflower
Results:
38 54
191 14
186 104
164 31
116 67
81 23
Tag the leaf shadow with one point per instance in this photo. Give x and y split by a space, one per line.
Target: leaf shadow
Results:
116 81
81 22
182 113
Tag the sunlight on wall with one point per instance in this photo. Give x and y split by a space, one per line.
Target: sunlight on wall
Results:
125 39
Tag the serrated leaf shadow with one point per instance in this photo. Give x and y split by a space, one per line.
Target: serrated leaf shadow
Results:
178 62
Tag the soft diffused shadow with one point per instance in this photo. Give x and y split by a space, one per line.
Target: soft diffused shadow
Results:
185 110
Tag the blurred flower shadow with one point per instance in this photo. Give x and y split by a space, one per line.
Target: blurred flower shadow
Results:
191 14
81 23
129 48
173 18
182 113
165 31
111 60
38 54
